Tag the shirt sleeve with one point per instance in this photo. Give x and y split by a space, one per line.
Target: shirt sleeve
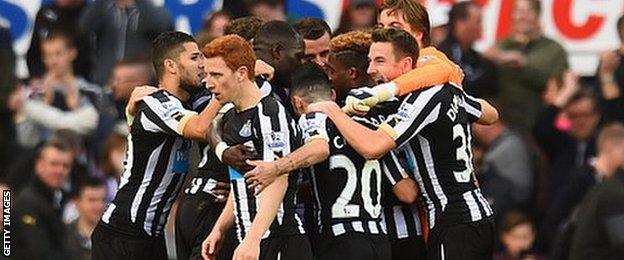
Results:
417 111
277 130
313 127
164 116
392 168
433 68
472 107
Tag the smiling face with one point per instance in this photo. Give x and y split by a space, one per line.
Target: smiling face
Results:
384 65
221 81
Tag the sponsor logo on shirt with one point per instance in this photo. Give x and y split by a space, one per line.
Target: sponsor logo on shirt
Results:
246 129
276 141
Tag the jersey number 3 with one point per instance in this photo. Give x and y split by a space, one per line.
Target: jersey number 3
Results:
464 156
342 208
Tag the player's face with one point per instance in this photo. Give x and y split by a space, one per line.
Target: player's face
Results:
339 76
317 50
220 80
384 65
191 64
91 202
57 55
388 19
291 58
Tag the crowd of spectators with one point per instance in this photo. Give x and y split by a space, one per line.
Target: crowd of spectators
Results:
551 168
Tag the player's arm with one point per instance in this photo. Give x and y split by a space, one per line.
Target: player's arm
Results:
480 111
212 243
368 143
197 127
314 150
403 186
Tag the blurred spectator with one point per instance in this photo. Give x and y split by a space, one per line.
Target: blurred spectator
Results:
517 233
89 199
507 173
600 229
22 169
67 101
128 74
316 34
526 59
119 33
7 84
38 230
611 68
439 24
465 25
561 217
267 10
213 27
112 163
245 27
611 78
361 15
60 15
567 147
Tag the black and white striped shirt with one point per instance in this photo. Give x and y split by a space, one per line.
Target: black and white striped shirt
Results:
272 132
433 126
347 187
155 166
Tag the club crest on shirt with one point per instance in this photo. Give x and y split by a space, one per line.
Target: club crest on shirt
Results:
405 111
246 129
276 141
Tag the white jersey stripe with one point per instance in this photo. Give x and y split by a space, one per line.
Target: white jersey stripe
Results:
147 179
162 187
429 164
475 213
399 220
125 177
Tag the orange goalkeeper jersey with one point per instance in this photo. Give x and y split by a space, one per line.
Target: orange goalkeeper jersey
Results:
433 68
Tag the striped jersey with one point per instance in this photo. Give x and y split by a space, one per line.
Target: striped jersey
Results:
399 219
347 187
154 168
433 126
272 132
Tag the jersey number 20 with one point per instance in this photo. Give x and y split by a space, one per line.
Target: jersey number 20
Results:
342 208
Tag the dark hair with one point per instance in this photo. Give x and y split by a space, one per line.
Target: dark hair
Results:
272 3
84 183
311 83
403 44
57 144
312 28
620 26
168 45
245 27
351 49
585 93
276 32
536 5
514 218
414 13
60 35
458 12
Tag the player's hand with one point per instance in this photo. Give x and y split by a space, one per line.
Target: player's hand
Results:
263 68
236 156
325 107
211 245
221 191
247 250
137 94
262 175
359 101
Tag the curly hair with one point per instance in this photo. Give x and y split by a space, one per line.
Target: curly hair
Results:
235 51
245 27
358 41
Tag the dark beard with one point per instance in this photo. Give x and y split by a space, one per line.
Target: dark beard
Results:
191 88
